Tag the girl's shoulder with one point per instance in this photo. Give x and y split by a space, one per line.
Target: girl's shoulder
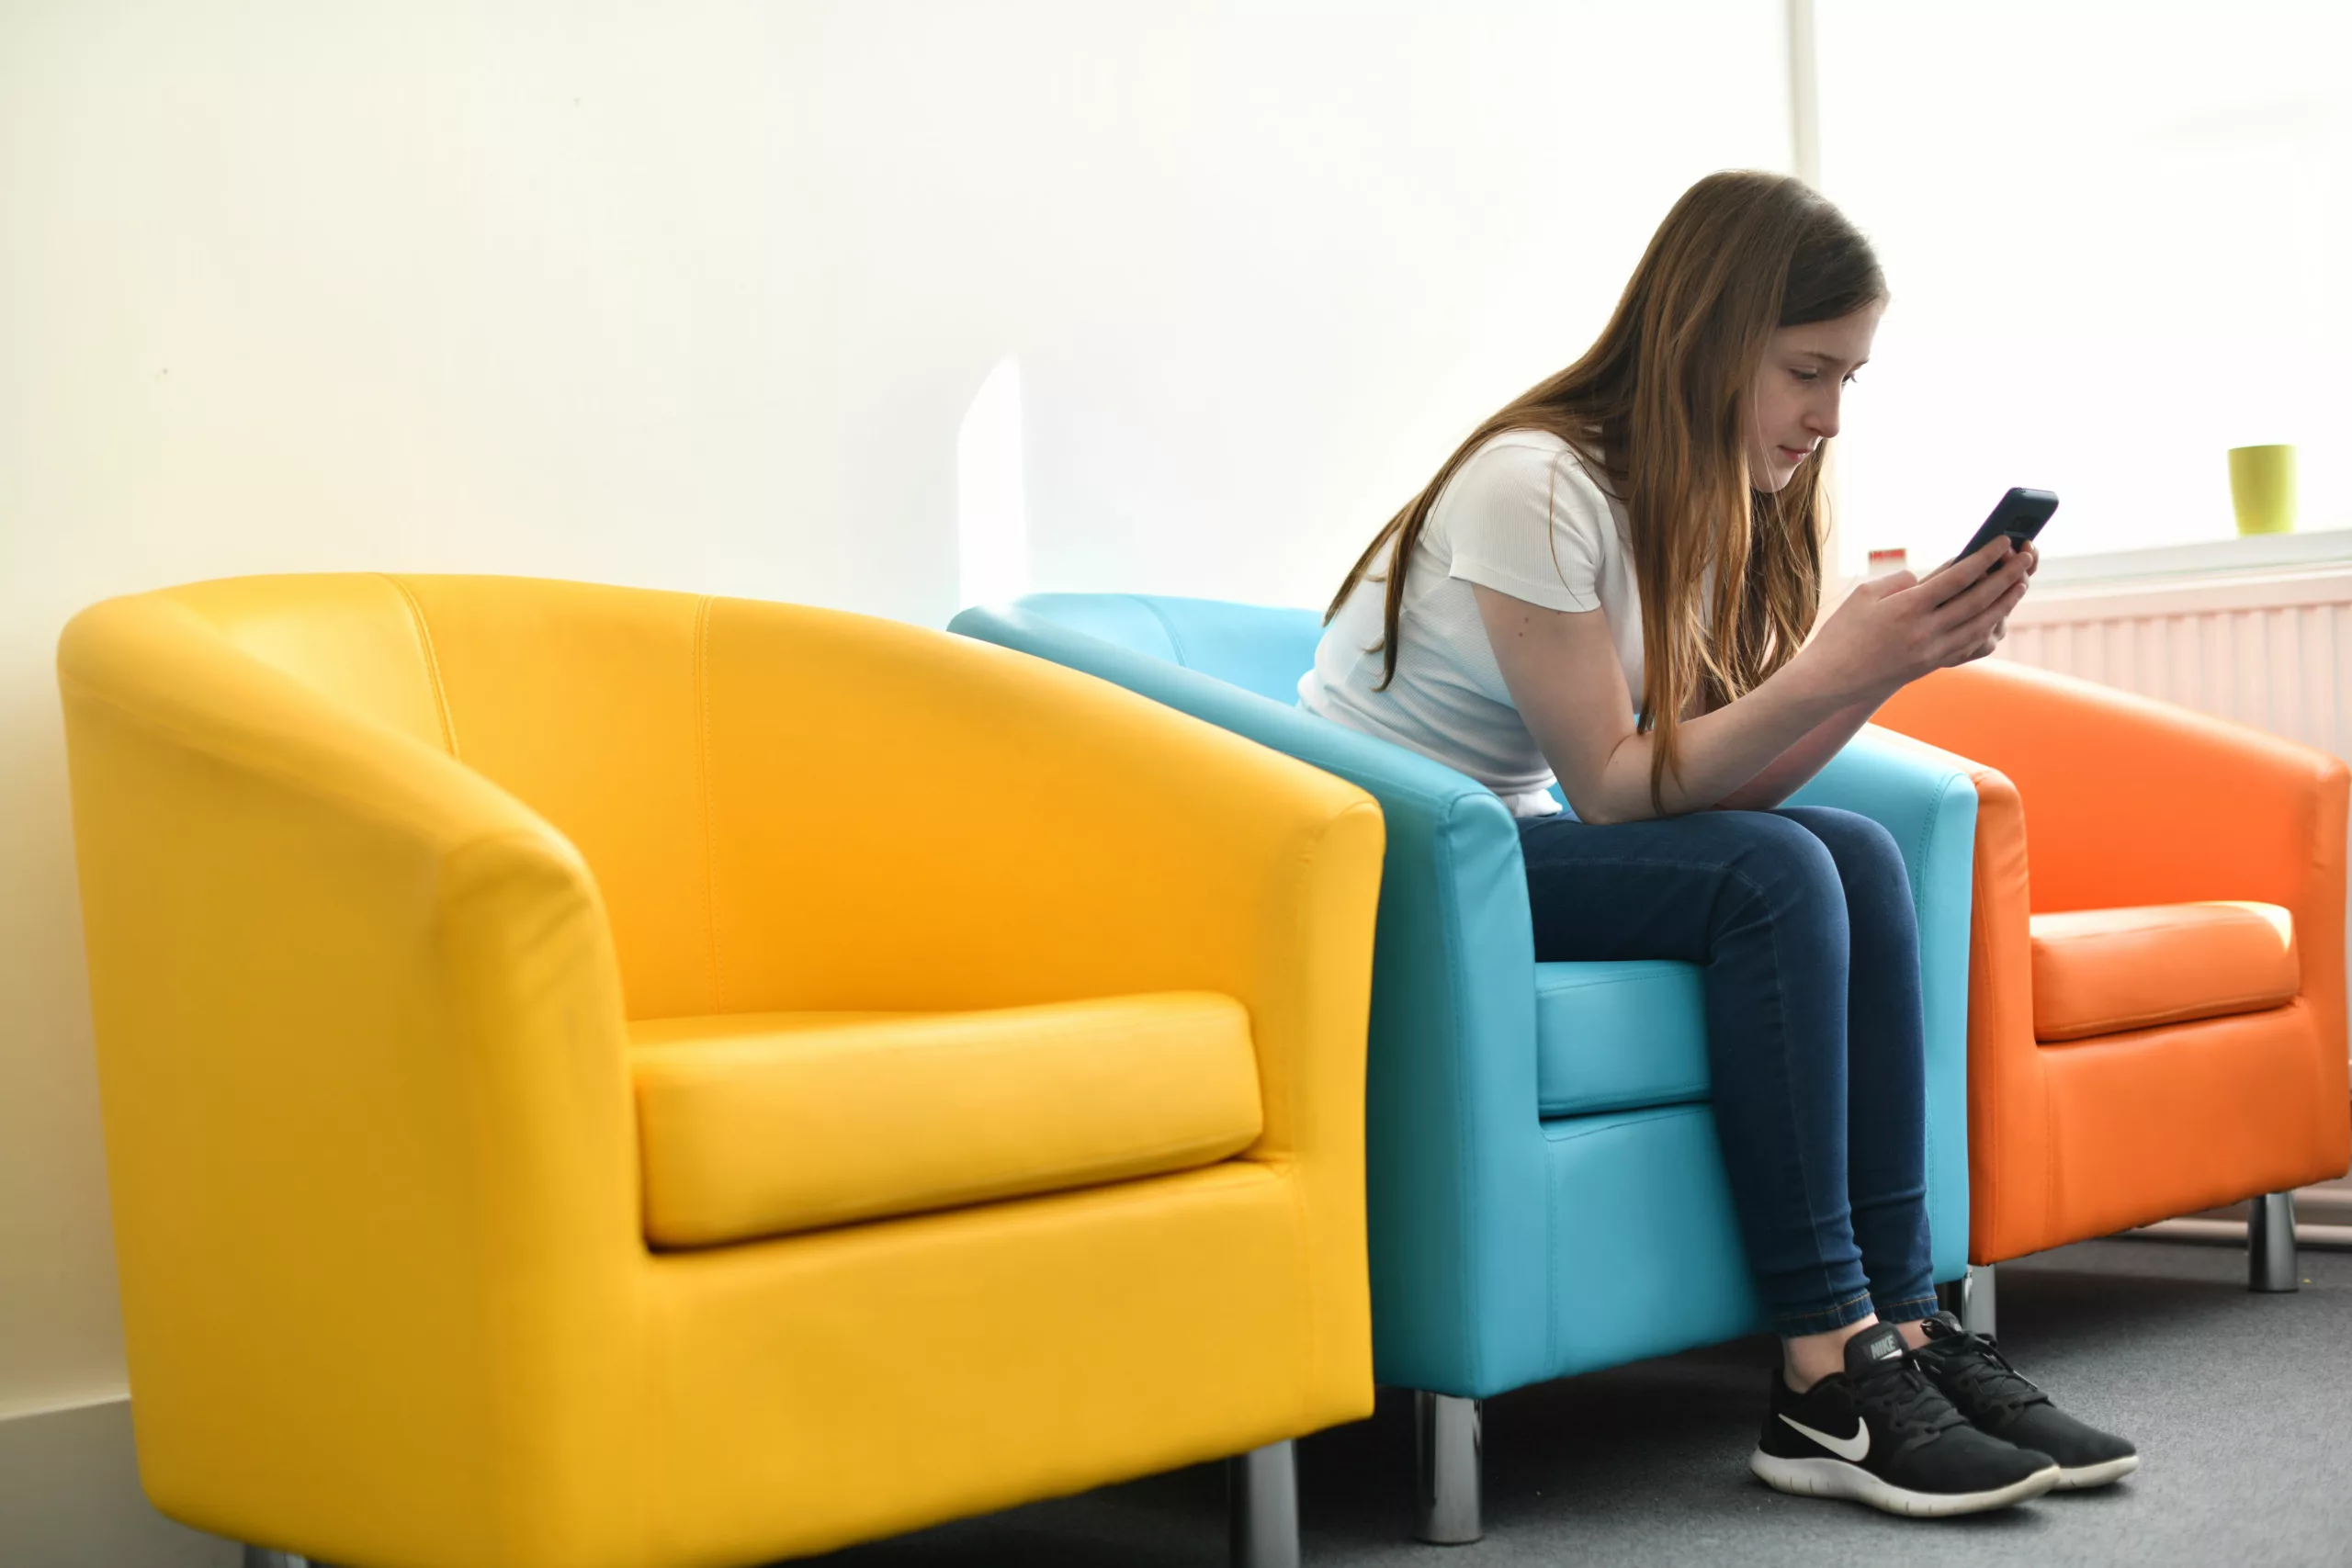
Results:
1521 470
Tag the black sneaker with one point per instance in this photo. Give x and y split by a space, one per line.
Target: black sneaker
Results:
1981 1383
1880 1433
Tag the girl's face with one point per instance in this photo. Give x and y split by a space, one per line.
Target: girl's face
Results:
1793 407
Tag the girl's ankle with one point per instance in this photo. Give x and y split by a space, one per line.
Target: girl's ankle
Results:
1808 1359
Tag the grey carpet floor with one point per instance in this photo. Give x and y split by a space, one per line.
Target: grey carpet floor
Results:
2242 1406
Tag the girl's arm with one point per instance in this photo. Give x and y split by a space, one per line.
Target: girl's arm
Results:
1786 773
1561 671
1789 772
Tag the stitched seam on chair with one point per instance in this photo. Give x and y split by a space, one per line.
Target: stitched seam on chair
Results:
1649 1099
1449 909
1980 960
1307 1275
2051 1144
1634 1116
424 629
1166 626
1919 848
1551 1247
1308 854
1104 1171
2044 1223
1919 924
2189 1012
1581 983
709 817
1980 951
2049 1147
1996 1165
207 743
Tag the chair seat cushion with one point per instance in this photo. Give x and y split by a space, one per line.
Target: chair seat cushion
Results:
1618 1036
2102 971
760 1125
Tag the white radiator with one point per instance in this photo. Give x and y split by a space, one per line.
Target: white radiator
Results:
2270 649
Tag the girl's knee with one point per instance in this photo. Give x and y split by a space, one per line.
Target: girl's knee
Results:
1857 843
1786 862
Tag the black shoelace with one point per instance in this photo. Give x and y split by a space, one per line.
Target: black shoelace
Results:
1906 1402
1983 1376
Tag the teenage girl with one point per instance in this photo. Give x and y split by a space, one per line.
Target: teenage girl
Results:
1611 583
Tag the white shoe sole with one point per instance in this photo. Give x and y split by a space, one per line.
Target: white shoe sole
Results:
1835 1478
2084 1476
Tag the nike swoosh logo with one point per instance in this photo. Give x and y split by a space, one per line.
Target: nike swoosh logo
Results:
1850 1450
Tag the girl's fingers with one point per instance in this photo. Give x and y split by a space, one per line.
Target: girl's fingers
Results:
1970 602
1955 577
1979 635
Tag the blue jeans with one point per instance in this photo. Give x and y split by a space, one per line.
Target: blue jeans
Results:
1800 921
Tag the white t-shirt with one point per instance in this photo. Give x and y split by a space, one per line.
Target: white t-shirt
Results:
1523 517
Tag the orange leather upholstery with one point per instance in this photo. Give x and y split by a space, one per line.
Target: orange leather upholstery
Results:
2103 971
2135 803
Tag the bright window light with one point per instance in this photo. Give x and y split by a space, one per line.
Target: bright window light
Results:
991 516
2117 238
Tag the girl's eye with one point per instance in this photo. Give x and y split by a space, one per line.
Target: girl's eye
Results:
1809 374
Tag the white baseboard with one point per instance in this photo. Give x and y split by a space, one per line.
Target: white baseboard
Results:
69 1497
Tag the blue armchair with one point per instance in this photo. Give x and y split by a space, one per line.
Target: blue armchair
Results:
1544 1194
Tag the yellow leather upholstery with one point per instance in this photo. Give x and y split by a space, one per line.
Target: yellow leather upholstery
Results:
375 875
764 1123
2102 971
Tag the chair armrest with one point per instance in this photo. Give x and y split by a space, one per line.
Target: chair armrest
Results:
1925 799
368 1128
2112 783
1457 1197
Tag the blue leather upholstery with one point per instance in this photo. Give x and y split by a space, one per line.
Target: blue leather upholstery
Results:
1263 652
1545 1191
1616 1036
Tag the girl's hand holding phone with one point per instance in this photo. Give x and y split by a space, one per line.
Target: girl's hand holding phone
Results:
1891 630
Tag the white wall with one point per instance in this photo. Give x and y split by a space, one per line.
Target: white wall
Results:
2119 238
696 296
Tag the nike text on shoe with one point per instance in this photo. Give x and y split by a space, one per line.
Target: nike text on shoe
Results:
1880 1433
1982 1386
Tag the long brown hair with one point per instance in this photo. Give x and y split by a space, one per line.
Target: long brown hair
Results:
1657 408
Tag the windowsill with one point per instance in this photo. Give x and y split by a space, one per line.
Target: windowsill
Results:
2266 553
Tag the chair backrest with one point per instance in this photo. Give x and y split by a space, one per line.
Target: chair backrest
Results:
737 775
1258 648
580 701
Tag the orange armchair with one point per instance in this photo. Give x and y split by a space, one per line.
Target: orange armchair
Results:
2156 1014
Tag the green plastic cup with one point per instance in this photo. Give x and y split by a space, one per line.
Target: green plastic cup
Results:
2261 489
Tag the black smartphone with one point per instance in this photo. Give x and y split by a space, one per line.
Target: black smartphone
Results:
2020 514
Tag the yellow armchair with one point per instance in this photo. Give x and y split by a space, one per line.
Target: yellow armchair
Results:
598 1076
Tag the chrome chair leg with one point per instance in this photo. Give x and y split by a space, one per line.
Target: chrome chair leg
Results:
1447 1443
1977 1301
1261 1495
2270 1262
263 1557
